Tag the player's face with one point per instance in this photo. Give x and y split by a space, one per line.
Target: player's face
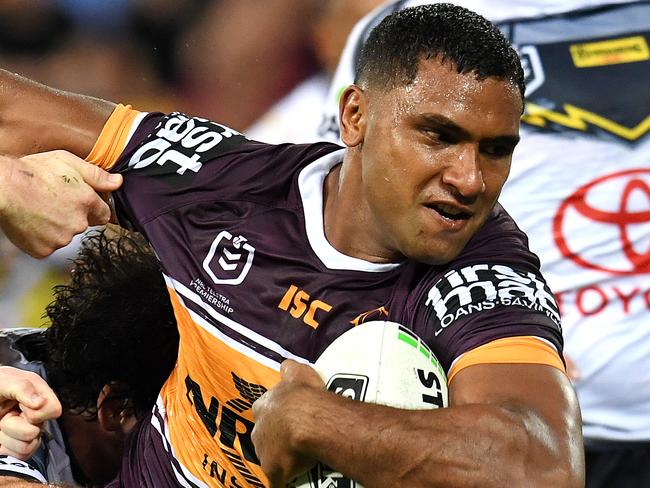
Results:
435 155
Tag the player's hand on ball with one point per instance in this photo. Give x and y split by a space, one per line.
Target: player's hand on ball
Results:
278 415
48 198
26 402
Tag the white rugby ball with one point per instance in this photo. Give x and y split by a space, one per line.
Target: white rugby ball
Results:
378 362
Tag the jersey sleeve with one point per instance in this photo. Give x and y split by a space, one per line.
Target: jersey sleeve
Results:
28 470
171 161
491 305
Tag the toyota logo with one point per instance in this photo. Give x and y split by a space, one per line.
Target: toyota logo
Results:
605 224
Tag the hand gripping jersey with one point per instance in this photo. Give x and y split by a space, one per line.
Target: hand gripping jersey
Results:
50 463
579 185
238 228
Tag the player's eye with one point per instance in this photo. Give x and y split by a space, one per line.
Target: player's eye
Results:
497 151
440 137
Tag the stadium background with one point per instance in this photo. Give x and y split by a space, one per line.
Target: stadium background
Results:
228 60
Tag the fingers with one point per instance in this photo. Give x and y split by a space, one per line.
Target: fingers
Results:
97 178
19 450
99 213
287 366
94 176
26 401
33 395
18 437
21 386
300 373
15 426
7 406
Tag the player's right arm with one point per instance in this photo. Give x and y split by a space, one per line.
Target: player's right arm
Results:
13 482
46 200
35 118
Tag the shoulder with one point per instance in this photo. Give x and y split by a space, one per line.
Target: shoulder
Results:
175 161
186 146
493 290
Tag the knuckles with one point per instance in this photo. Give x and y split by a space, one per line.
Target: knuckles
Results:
27 449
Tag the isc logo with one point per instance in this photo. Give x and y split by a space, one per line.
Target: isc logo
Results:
302 306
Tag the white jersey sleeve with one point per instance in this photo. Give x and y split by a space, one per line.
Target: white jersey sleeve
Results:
12 467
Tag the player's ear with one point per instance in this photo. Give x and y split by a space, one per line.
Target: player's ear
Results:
114 412
352 113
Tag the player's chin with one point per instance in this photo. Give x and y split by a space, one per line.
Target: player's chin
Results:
437 251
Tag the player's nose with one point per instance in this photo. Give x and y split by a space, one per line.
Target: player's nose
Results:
463 172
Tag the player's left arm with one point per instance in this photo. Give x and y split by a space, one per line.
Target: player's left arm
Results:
37 118
506 425
14 482
45 200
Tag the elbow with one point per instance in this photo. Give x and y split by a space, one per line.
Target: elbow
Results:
537 455
554 457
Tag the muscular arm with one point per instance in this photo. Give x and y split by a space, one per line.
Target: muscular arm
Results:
46 199
507 425
35 118
13 482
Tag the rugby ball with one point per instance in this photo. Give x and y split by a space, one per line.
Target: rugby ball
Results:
378 362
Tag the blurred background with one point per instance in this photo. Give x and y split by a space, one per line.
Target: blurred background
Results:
253 65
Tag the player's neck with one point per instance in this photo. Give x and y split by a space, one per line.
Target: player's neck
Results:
347 221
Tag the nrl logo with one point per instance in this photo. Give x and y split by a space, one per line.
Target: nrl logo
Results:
229 259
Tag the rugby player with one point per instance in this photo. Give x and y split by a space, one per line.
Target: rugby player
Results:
587 119
271 252
110 347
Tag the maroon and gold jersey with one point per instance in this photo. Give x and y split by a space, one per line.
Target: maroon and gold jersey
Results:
238 228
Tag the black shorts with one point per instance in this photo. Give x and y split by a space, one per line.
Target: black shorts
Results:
617 464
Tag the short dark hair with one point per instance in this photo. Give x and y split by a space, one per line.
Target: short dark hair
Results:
112 322
392 53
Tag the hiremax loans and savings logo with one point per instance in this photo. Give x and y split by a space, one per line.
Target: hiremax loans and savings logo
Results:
481 287
605 224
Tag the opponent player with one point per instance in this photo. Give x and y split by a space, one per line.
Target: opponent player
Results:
110 347
271 252
579 189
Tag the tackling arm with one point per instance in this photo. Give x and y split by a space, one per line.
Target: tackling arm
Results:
35 118
507 425
46 199
13 482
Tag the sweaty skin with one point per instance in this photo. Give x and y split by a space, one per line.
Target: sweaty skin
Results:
443 142
424 167
46 200
425 164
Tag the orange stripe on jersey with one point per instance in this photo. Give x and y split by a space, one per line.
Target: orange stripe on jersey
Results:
510 350
112 140
208 400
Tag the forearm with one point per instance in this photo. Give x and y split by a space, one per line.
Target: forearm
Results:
13 482
464 446
35 118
